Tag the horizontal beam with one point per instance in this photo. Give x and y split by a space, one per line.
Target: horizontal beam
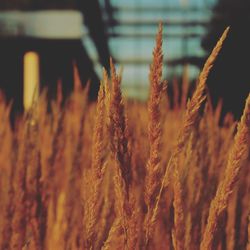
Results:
143 22
152 35
161 8
198 61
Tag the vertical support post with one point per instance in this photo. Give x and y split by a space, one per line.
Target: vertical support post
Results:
31 79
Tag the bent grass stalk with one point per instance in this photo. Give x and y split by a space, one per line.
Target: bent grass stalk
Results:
191 117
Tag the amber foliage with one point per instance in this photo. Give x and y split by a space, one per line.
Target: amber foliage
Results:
121 174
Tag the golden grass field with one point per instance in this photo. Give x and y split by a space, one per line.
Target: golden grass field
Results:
121 174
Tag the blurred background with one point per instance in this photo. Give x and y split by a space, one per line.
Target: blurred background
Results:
131 28
126 31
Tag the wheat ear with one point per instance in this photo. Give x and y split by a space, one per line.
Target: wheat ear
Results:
97 168
154 130
119 149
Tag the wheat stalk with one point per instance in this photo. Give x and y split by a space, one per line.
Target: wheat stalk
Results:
97 168
153 166
119 149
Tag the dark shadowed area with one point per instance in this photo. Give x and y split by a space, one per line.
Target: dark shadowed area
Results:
229 78
57 54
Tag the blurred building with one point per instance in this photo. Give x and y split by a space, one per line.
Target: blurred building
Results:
132 26
53 29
